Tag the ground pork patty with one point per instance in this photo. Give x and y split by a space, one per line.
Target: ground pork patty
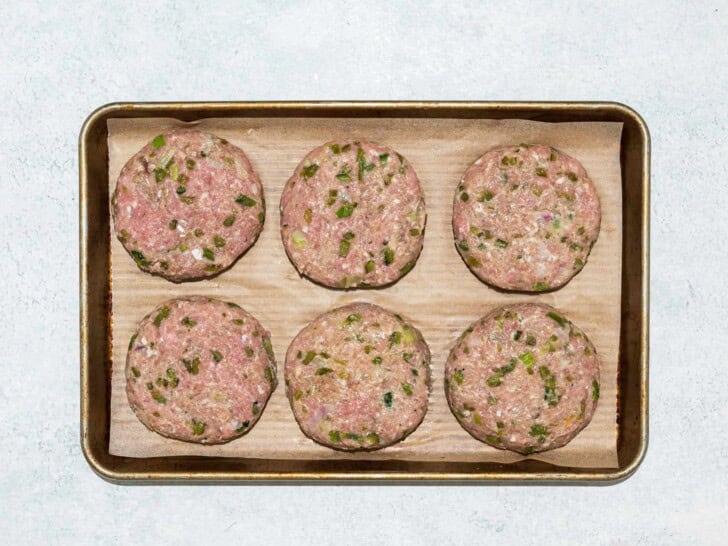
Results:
353 214
523 378
187 205
526 217
199 370
358 378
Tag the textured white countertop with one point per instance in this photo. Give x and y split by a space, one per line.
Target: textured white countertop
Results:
58 62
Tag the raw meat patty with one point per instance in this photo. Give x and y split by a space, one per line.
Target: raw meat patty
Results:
358 378
526 217
353 214
187 205
199 370
523 378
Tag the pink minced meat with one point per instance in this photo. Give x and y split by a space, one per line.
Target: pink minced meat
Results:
187 205
526 217
358 378
353 214
523 378
199 370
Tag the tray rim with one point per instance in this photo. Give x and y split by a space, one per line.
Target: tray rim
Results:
163 109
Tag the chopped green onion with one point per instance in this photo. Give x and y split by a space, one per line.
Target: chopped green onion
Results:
246 201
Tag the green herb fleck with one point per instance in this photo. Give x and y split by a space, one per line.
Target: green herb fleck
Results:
346 210
192 366
158 397
487 195
172 375
527 358
363 166
246 201
558 318
308 172
323 370
140 259
500 243
549 386
334 436
540 171
268 347
373 438
229 221
163 314
135 371
458 376
344 175
198 427
354 317
472 261
595 390
269 375
407 388
369 266
406 267
538 430
388 399
344 247
310 355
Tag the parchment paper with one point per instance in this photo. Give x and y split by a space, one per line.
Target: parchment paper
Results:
439 295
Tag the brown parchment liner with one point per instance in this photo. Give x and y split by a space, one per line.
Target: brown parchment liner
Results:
440 296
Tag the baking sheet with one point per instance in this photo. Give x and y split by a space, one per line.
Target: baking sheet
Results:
439 295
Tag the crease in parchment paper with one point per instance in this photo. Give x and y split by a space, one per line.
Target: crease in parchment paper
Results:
440 295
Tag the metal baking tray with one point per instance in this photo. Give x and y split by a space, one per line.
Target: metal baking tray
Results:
96 318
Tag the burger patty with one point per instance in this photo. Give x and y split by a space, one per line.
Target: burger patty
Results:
523 378
353 214
187 205
526 217
199 370
358 378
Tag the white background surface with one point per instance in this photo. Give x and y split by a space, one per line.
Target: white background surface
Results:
58 62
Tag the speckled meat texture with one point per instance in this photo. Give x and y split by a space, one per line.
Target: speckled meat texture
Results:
353 214
358 378
526 217
523 378
199 370
187 205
